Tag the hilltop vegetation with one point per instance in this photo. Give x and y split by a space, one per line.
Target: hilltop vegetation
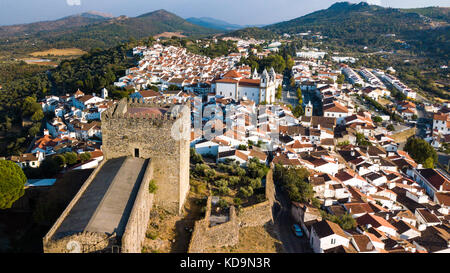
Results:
368 25
207 48
437 13
252 32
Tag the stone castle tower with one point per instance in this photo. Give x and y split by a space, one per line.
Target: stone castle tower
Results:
160 132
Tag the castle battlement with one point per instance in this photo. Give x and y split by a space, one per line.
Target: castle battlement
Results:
132 109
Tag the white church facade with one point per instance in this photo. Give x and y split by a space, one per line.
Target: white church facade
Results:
259 88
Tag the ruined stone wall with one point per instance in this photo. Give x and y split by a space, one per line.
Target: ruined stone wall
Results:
261 213
155 139
256 215
227 234
204 237
134 234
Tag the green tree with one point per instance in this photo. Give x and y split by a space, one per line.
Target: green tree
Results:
30 106
242 147
37 116
289 62
279 94
299 96
294 182
298 111
362 141
12 182
292 82
246 192
173 87
390 127
34 130
71 158
421 151
210 173
60 160
377 119
346 221
85 157
196 158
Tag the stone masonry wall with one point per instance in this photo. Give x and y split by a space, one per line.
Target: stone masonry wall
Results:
227 234
136 228
259 214
123 134
204 237
85 242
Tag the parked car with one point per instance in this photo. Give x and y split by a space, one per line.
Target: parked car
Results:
297 230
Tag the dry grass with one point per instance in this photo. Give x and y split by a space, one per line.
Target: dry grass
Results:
59 52
169 35
404 135
254 240
169 233
384 101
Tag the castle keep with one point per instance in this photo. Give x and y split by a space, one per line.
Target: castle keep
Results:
141 142
146 130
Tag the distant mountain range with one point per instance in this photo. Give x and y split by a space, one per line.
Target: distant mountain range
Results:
217 24
78 20
89 30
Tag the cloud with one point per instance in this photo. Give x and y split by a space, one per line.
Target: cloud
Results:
374 2
73 2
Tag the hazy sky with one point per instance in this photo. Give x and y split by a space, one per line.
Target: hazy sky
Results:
233 11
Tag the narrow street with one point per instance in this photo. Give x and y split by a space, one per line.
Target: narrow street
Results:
283 222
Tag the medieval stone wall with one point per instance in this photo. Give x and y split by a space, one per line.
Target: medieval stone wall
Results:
261 213
136 227
85 242
227 234
204 236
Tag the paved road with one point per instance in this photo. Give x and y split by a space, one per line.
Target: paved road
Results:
284 222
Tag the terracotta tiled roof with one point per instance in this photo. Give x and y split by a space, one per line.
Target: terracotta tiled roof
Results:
232 74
